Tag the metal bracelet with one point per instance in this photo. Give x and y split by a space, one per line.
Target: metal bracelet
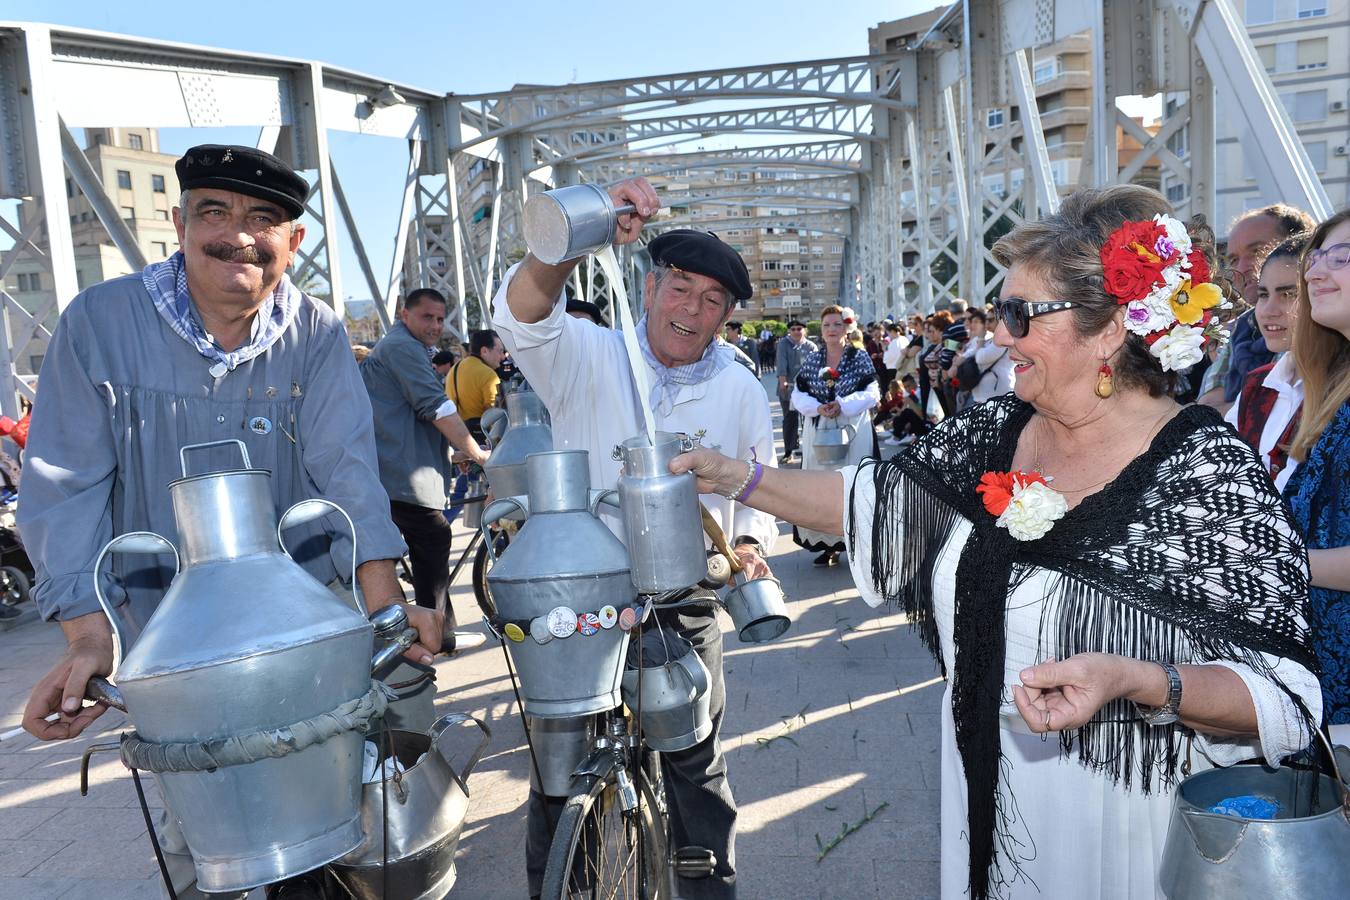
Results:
750 473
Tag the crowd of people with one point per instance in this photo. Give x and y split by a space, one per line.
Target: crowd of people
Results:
1045 484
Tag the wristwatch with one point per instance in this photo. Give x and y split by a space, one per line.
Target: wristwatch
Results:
1170 711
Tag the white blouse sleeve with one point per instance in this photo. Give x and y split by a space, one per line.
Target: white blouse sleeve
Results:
860 401
804 403
1278 721
860 498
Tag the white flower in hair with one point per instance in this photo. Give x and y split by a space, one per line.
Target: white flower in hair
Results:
1153 313
1179 348
1177 234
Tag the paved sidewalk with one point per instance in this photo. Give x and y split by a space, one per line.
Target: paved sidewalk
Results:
823 726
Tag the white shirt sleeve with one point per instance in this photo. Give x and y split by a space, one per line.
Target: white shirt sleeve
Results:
859 507
860 401
804 403
1231 417
446 409
1278 721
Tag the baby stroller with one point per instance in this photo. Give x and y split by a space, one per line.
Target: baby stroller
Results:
16 572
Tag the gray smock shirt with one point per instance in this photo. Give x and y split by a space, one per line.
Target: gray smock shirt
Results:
120 393
405 394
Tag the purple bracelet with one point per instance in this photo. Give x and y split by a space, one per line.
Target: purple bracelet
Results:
754 483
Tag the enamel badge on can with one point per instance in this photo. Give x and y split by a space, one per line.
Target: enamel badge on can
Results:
562 622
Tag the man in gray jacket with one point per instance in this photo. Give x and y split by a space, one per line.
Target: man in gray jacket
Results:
790 354
213 344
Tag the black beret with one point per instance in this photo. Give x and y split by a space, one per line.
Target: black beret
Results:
244 170
704 253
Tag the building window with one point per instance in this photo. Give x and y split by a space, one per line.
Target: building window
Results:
1306 106
160 248
128 213
162 215
23 282
818 267
70 188
818 285
1176 192
74 219
124 179
157 183
994 118
1317 154
134 142
836 248
1046 70
1312 54
1308 9
35 363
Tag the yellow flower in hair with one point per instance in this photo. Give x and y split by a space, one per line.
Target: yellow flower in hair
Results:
1189 303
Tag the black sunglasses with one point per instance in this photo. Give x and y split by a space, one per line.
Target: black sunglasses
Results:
1017 313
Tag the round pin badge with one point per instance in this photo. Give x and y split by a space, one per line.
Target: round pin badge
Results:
513 632
562 622
539 630
588 623
627 619
609 617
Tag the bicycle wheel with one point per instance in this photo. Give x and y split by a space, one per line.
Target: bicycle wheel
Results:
481 563
597 846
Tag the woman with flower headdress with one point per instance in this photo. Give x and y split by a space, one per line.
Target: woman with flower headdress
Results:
1109 580
836 388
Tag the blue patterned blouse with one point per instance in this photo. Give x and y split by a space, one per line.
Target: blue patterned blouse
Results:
1319 495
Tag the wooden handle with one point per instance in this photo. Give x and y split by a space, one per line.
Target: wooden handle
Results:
714 531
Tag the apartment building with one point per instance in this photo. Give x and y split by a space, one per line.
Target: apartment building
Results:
142 184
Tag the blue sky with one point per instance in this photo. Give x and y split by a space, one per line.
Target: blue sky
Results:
477 47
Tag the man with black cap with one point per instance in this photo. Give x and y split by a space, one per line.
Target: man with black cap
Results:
582 374
213 344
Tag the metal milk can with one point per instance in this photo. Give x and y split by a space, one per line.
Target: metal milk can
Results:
527 432
562 588
660 514
674 692
234 682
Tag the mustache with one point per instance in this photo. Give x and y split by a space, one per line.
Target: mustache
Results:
224 252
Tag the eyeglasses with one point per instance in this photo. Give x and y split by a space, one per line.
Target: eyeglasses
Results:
1337 256
1017 313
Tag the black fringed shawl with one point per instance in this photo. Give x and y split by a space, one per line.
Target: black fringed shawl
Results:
1187 556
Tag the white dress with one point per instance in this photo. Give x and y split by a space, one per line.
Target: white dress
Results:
1087 838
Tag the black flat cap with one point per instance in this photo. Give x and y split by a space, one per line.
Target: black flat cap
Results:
704 253
244 170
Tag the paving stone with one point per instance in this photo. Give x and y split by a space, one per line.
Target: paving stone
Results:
19 857
15 888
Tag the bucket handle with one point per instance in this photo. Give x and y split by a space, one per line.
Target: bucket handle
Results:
182 451
494 512
308 511
609 498
131 542
438 730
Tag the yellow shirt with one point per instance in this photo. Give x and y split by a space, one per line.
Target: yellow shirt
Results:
476 391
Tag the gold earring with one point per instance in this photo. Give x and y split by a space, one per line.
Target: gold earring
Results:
1105 383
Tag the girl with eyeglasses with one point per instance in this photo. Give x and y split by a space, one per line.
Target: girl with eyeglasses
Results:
1319 491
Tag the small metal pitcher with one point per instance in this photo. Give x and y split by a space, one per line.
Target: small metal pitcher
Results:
569 222
757 609
676 696
661 519
1302 854
427 804
832 441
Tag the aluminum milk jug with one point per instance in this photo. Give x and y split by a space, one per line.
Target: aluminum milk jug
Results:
661 518
244 642
560 587
527 432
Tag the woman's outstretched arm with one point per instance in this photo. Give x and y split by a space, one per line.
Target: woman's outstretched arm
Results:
814 500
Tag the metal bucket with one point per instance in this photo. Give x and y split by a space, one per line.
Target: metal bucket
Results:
832 441
562 563
246 641
569 222
757 609
427 805
1303 856
661 517
559 747
676 696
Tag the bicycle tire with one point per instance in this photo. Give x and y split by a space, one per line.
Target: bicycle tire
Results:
482 592
593 806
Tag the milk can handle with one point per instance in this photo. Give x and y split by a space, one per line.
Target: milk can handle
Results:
438 730
308 511
182 452
609 498
495 511
131 542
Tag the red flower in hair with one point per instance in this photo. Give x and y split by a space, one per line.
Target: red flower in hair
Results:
1130 263
996 488
1199 267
